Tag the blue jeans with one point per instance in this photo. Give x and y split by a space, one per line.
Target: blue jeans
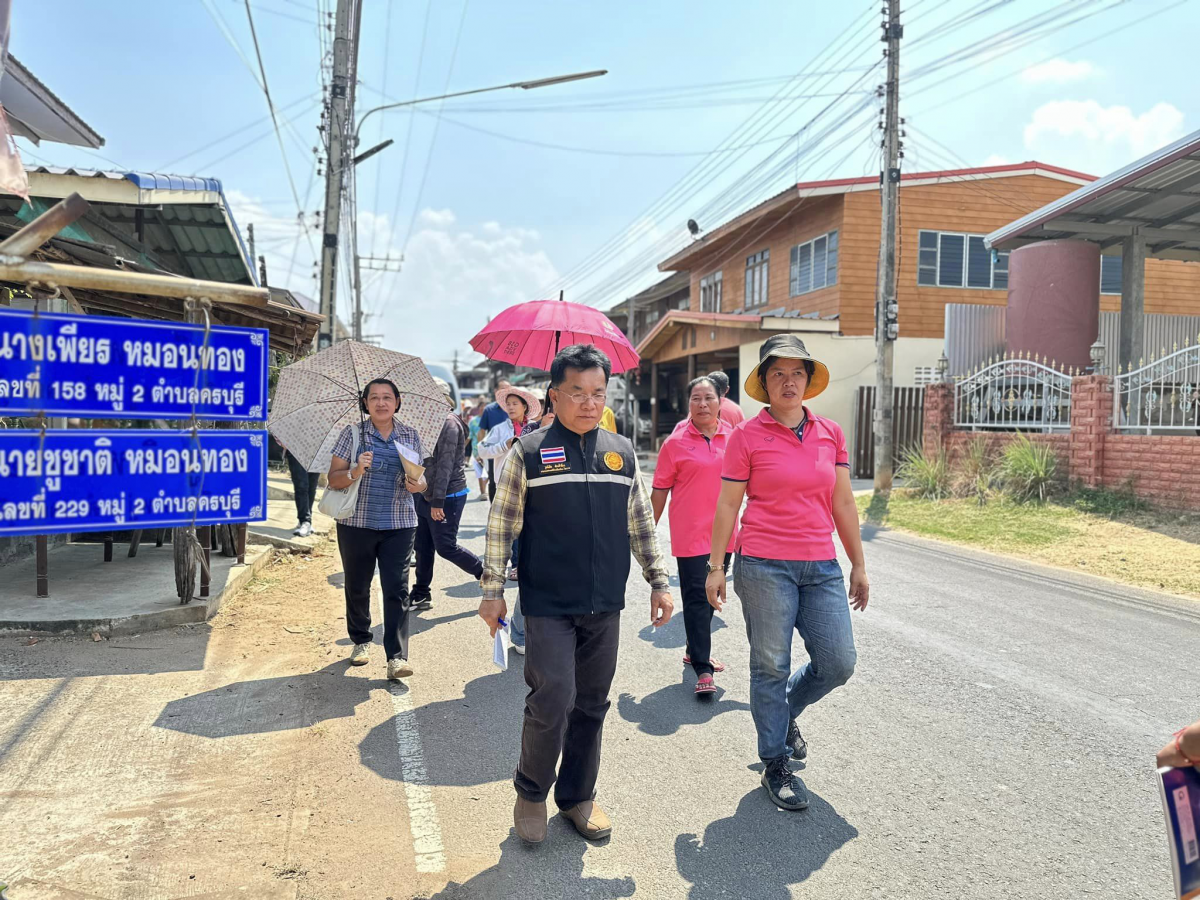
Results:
777 596
516 618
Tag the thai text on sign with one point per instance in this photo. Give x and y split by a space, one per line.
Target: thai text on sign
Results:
83 480
103 367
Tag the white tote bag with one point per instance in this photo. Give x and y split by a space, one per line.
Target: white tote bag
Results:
339 503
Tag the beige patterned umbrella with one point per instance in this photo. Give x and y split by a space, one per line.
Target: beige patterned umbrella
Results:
317 397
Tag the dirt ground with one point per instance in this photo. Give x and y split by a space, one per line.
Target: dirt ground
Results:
283 767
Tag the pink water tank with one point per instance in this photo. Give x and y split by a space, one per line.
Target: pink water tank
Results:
1054 300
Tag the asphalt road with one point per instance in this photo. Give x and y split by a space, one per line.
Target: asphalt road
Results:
997 740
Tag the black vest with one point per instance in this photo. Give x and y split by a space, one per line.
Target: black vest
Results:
574 554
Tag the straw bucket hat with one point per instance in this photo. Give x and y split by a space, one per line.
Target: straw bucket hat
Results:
534 404
785 346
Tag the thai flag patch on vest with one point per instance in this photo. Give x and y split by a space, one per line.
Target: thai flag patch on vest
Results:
551 455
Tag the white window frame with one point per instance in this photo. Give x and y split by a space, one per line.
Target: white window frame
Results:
758 264
996 257
711 291
829 269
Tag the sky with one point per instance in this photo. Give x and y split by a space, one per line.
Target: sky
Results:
707 108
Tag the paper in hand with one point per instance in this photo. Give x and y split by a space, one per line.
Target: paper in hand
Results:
500 650
411 462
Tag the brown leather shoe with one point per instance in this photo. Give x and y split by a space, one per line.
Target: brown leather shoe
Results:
530 820
589 820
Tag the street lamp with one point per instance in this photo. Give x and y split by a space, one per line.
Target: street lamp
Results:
355 160
523 85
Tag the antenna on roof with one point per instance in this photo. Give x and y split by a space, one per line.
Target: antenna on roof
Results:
693 228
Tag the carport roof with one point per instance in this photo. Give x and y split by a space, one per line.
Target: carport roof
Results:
1157 196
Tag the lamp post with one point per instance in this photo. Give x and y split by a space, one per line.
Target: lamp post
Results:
329 258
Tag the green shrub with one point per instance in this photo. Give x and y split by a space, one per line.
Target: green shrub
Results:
1028 470
928 477
1109 502
975 472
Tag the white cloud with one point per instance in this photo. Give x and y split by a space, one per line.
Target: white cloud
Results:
436 218
452 280
1082 134
1059 71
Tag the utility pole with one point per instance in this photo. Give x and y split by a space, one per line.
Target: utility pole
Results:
886 309
250 241
358 316
338 125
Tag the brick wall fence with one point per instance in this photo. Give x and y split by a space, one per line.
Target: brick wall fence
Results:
1164 470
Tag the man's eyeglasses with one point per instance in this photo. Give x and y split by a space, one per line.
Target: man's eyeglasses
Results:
581 399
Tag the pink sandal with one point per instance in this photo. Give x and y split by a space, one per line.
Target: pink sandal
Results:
705 685
717 665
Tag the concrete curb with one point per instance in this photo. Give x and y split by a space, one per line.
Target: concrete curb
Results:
194 613
291 545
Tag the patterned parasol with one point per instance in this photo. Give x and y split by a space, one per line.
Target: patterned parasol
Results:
317 397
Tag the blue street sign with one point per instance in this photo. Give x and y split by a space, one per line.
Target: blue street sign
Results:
101 367
83 480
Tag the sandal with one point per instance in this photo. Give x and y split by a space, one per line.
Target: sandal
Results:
717 665
705 685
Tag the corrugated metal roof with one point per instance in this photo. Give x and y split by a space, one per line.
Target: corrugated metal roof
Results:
36 113
1158 196
186 235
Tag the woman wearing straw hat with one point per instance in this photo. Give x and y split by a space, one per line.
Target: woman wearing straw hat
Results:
793 468
524 409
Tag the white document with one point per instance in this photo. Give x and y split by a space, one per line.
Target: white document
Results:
500 651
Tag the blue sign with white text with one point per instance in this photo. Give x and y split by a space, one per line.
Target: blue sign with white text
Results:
103 367
83 480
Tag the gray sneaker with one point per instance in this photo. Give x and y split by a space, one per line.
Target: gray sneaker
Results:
783 787
304 530
360 655
399 668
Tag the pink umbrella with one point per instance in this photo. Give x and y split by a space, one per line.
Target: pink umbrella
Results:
530 334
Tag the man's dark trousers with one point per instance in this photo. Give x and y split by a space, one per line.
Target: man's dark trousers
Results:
569 668
304 487
440 538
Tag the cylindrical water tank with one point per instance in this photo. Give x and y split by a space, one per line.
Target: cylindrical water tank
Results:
1054 301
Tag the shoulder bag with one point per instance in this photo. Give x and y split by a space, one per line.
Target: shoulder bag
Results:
339 503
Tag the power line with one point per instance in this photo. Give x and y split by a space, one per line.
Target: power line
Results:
598 152
274 121
240 130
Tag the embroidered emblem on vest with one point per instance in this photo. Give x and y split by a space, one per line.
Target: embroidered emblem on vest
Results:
614 460
553 455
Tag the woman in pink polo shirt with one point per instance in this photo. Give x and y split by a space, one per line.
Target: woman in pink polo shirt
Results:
793 469
689 469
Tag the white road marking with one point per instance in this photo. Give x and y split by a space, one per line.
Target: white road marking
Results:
422 814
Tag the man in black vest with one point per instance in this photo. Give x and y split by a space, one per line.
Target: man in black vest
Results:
574 494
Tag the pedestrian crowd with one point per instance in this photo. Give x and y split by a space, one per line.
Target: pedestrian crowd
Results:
569 513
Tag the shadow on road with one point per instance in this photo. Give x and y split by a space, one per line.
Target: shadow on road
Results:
266 705
672 635
488 715
760 851
551 871
181 649
337 580
468 590
668 709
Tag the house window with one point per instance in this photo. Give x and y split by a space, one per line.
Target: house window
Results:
756 278
814 264
684 302
946 259
1111 274
710 292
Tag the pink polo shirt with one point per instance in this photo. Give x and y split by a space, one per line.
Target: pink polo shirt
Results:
789 486
689 466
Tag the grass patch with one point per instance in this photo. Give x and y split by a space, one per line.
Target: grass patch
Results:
1103 532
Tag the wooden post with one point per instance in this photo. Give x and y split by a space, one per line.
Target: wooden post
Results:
108 546
241 543
691 367
43 565
205 535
